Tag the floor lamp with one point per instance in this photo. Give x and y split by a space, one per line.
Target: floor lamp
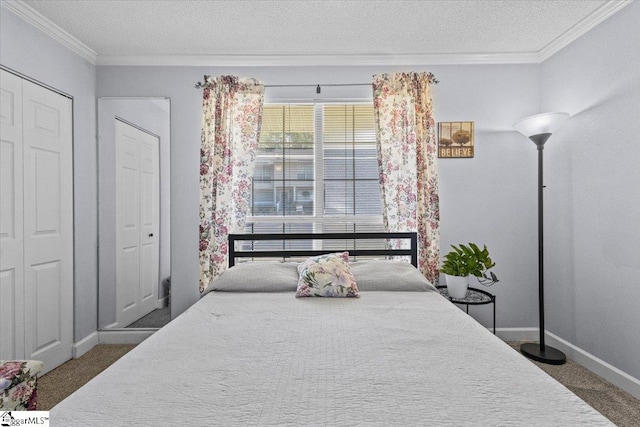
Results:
539 128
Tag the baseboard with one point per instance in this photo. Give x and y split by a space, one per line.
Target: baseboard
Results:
162 302
598 366
85 344
123 336
135 336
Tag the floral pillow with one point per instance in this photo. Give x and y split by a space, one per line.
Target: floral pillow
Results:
327 276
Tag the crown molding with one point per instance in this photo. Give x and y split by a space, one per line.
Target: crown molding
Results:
42 23
318 60
590 21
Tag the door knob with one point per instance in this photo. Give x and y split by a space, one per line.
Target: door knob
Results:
150 234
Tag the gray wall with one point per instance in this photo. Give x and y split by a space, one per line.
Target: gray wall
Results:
593 192
27 50
489 199
153 115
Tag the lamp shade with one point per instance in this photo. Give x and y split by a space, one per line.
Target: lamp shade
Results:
545 123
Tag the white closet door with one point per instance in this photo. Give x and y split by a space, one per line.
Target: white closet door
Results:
48 225
36 223
137 215
11 223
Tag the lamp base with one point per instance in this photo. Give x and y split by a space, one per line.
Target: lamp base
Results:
550 355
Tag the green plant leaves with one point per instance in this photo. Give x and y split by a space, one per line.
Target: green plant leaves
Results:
468 260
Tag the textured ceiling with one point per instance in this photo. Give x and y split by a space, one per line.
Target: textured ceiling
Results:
315 28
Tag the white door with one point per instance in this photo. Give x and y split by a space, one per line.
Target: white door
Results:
11 220
149 222
48 224
41 205
137 219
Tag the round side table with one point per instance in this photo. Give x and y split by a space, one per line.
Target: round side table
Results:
474 297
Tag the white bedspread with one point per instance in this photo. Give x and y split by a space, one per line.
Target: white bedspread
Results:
267 359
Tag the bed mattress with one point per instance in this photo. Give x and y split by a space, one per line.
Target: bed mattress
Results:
269 359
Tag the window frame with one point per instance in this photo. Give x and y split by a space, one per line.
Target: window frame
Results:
318 220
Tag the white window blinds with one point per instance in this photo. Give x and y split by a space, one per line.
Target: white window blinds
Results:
316 171
350 161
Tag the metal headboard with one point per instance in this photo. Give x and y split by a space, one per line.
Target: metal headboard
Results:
287 253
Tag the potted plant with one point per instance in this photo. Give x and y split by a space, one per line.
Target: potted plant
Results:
464 261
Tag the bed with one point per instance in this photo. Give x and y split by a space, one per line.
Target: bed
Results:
249 353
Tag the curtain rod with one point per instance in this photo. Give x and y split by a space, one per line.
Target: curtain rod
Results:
326 84
318 86
200 85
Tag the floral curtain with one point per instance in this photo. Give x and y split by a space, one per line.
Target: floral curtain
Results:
406 146
232 114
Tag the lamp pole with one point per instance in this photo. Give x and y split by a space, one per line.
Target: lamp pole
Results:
540 147
541 353
541 247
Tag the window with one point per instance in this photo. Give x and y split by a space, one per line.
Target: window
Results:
316 171
286 151
350 161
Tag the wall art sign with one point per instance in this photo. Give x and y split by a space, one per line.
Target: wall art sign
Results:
455 140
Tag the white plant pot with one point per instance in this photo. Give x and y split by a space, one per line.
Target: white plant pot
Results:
457 286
